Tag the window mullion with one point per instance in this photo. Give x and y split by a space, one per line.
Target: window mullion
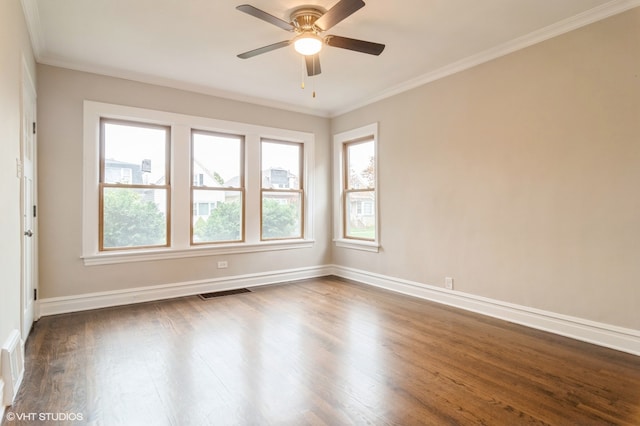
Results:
253 185
180 197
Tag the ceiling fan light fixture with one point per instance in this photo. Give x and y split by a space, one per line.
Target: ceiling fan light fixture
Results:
308 44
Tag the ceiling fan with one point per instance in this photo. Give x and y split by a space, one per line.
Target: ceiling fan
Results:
308 22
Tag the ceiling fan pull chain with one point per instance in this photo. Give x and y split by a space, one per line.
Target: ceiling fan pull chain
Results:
314 80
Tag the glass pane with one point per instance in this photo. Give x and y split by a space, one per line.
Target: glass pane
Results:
134 217
134 154
203 209
217 160
361 165
218 216
361 215
281 165
281 215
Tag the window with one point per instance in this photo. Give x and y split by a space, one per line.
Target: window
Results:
160 185
217 168
134 200
282 193
355 186
359 189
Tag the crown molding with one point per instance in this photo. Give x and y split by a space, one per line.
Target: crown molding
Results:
32 19
614 7
583 19
179 85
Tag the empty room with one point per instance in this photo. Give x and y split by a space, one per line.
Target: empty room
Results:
331 212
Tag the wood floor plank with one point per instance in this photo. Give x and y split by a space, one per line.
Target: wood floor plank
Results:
318 352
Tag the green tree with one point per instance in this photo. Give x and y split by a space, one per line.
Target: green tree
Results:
369 174
218 178
131 221
279 220
223 224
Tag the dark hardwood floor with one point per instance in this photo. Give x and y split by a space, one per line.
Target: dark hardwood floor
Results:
319 352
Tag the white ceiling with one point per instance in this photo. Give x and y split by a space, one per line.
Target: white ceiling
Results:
193 44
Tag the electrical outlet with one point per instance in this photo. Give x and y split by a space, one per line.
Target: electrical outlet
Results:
448 283
223 264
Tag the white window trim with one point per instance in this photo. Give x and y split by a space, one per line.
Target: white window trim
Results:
338 187
181 208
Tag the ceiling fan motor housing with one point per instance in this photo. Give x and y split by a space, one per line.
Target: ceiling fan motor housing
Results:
304 18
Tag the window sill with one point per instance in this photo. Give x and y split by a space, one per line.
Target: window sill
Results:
370 246
127 256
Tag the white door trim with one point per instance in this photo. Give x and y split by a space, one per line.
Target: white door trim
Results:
28 166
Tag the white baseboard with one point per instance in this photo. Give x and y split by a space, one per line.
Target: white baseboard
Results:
610 336
83 302
619 338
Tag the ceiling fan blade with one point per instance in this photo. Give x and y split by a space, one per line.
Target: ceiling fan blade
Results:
353 44
337 13
261 14
264 49
313 64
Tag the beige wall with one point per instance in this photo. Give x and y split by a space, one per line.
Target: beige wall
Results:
60 110
14 45
519 178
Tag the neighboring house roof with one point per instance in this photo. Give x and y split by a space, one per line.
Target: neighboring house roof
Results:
113 168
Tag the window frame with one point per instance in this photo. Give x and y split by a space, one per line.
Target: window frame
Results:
181 207
347 190
340 141
241 188
103 185
300 190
